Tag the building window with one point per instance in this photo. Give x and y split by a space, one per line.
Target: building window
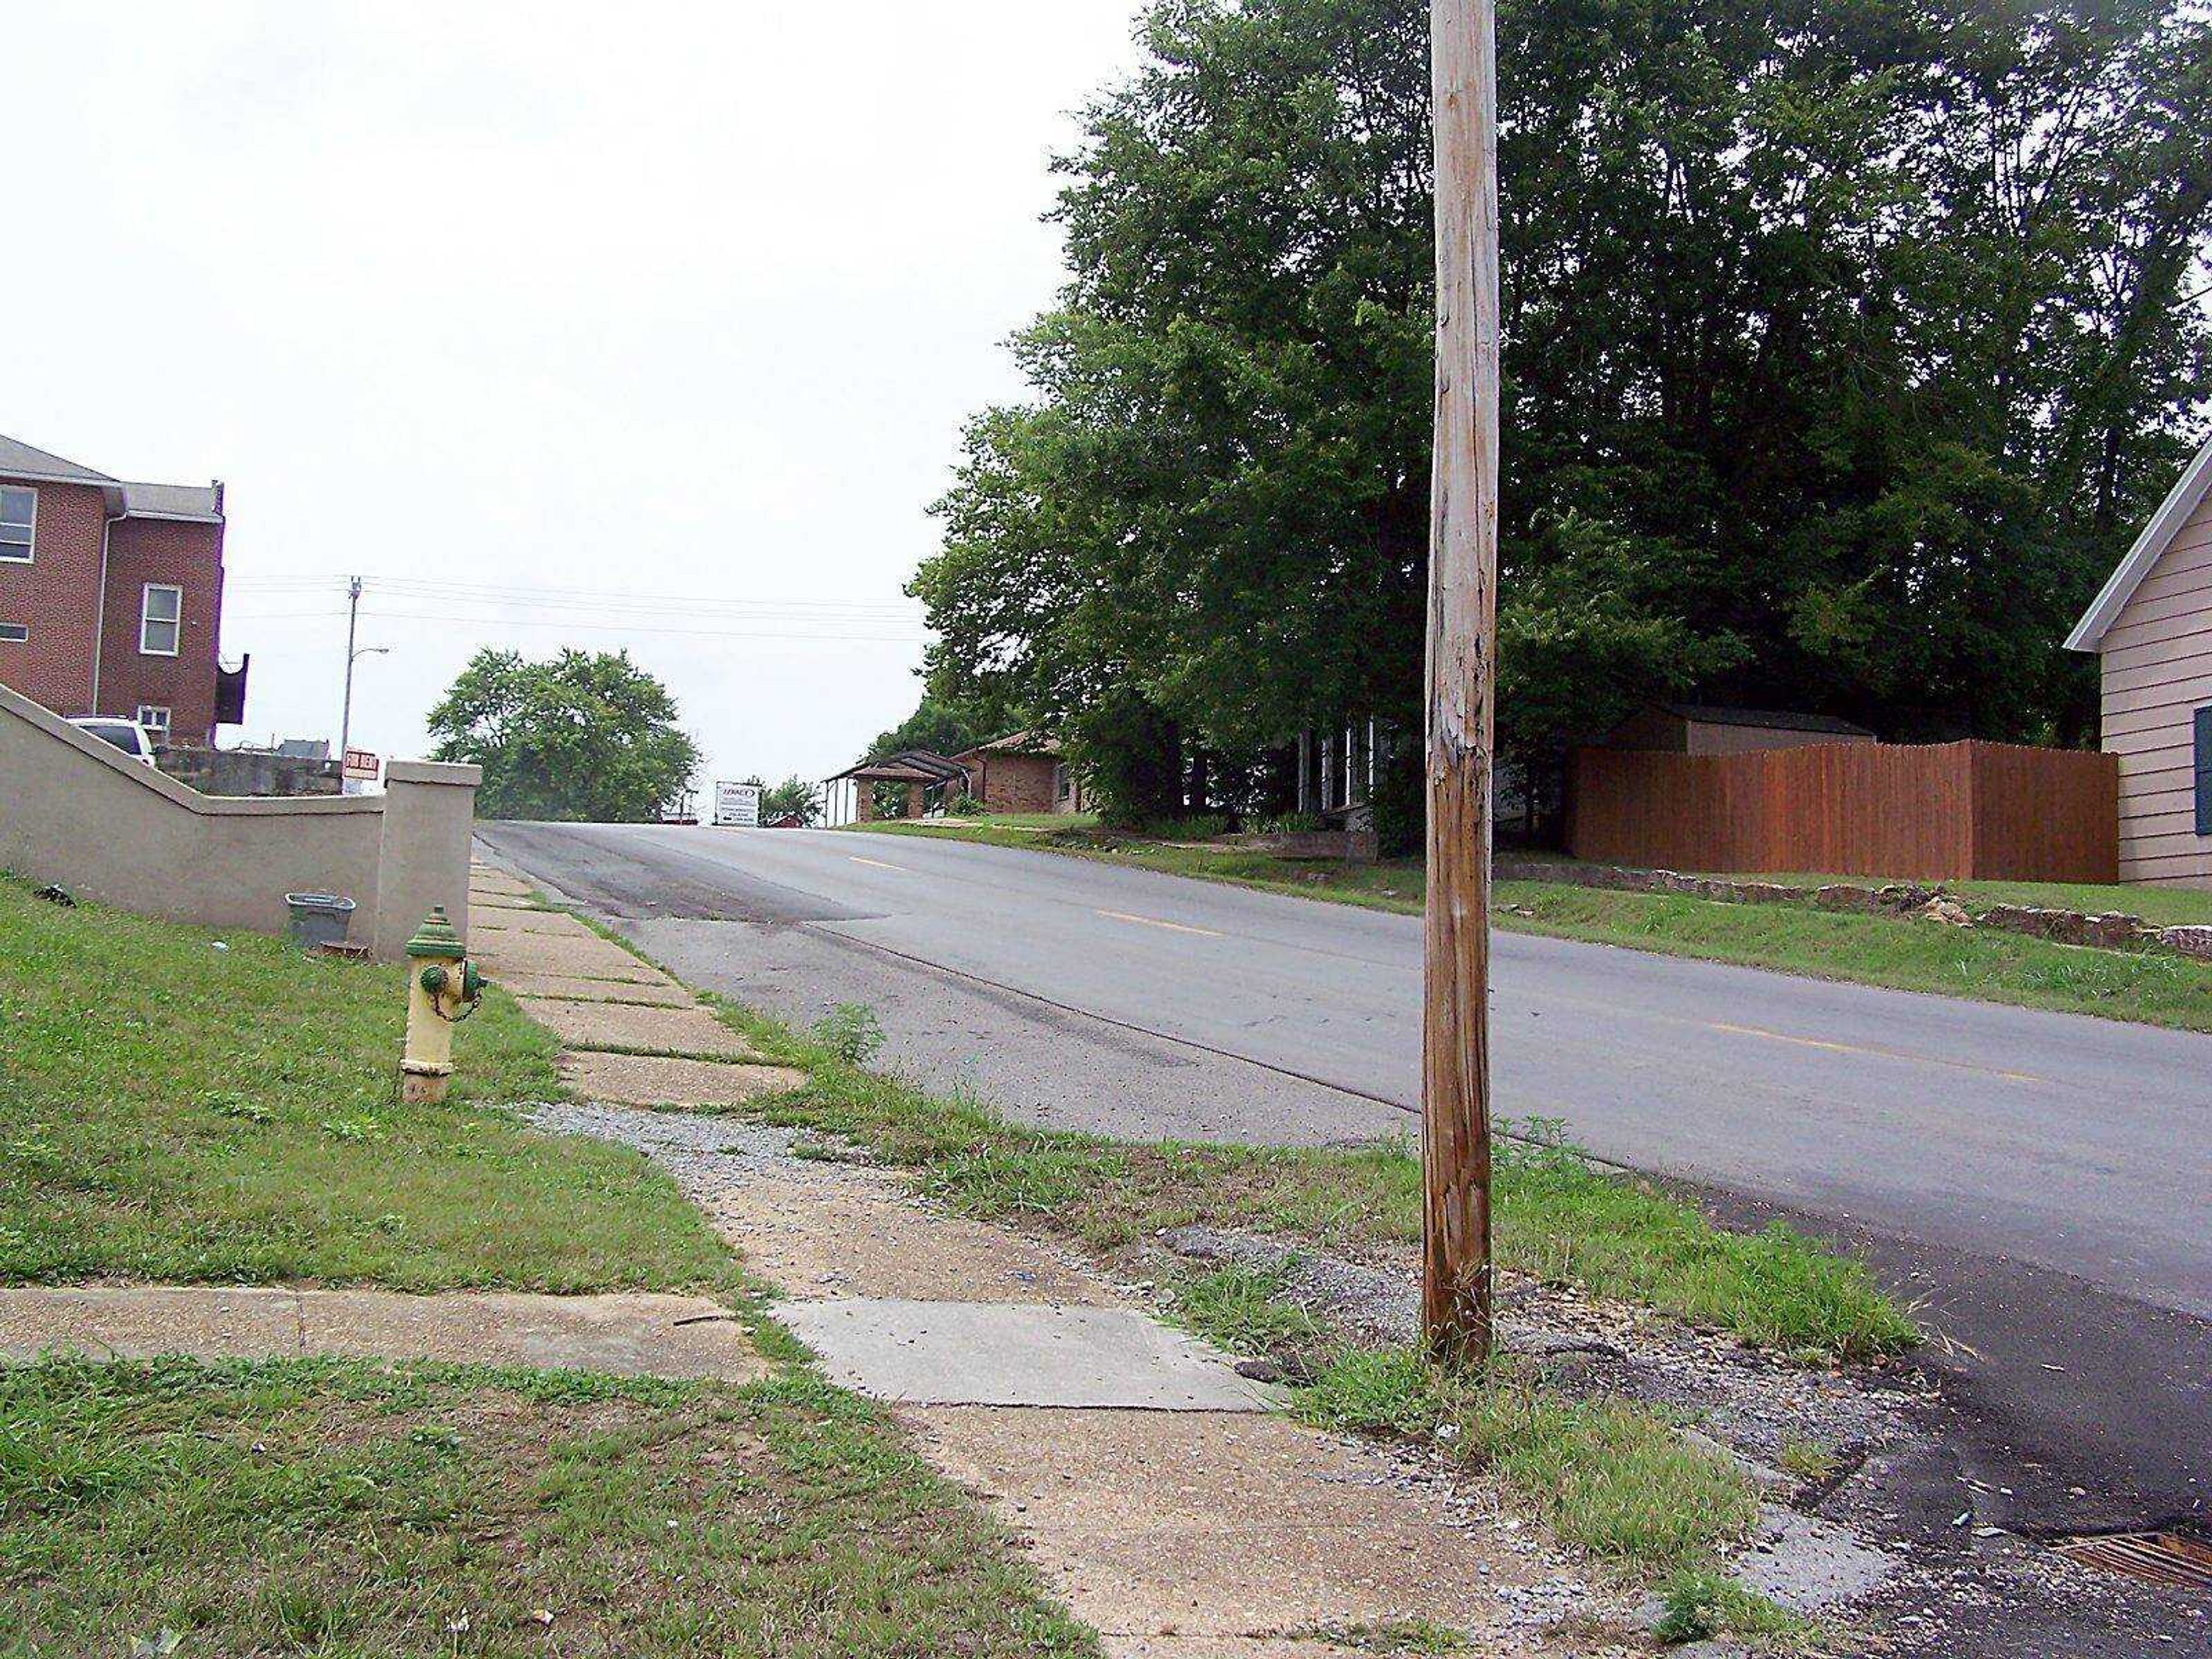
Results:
14 633
155 719
159 623
2204 771
19 519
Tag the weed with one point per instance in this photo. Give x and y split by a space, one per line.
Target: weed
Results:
1700 1605
1809 1460
850 1031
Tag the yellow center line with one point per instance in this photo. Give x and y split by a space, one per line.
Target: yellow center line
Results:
878 863
1154 922
1883 1053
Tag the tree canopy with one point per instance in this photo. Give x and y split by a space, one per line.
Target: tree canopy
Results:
583 737
1846 343
940 724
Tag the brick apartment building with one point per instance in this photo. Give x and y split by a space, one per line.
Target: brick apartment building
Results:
111 596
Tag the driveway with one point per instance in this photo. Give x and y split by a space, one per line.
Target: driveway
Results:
2039 1179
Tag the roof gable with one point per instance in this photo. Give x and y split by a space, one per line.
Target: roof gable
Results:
20 460
2158 535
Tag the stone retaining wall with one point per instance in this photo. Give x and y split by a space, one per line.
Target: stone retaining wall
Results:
2113 931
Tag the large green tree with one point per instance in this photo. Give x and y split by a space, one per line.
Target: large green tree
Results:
583 737
1846 339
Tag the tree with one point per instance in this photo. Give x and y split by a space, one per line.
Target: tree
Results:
793 798
585 737
1845 342
941 726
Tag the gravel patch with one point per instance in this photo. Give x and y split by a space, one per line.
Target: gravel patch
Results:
1746 1401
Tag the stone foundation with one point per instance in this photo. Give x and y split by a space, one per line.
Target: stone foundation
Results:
2111 931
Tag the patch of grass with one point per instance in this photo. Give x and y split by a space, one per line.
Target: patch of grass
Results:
1602 1473
1809 1460
2153 987
348 1509
1240 1309
172 1110
1556 1219
1701 1605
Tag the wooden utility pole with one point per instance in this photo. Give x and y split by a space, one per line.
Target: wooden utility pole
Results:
1456 1278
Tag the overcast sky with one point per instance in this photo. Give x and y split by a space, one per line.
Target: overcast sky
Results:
686 303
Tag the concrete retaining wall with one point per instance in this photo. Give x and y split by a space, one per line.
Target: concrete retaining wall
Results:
249 772
79 812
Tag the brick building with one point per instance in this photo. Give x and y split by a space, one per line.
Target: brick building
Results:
1022 772
111 596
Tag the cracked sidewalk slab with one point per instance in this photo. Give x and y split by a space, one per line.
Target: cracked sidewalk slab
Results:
549 924
585 955
822 1231
974 1353
559 987
1191 1534
691 1031
666 1080
627 1335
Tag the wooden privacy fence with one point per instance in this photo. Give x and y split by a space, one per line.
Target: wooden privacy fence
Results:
1932 812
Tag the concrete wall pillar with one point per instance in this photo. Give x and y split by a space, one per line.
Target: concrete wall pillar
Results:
914 800
429 815
864 801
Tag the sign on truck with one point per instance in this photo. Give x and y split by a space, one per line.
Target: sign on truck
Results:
737 806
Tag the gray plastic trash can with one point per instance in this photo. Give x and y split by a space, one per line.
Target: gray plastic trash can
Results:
317 919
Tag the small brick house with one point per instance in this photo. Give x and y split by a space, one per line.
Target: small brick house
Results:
1022 772
110 597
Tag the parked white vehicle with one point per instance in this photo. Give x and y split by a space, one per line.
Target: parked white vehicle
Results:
132 739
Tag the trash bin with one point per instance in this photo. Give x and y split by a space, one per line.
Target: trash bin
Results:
317 919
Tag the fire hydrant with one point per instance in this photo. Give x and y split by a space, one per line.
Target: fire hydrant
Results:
443 990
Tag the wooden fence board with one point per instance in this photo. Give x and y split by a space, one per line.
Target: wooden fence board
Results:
1931 813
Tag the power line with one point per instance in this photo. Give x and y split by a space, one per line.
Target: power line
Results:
916 638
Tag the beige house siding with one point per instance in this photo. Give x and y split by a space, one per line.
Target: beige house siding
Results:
2157 658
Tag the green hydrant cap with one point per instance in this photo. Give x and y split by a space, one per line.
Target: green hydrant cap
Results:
435 937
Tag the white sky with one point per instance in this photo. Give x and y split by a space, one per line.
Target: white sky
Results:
687 301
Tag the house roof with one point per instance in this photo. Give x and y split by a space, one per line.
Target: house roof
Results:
1025 741
20 460
2157 535
1767 719
191 502
908 766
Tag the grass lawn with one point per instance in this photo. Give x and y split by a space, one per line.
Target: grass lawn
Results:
346 1508
2155 988
173 1111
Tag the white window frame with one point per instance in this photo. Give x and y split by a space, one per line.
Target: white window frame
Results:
147 619
30 553
14 633
153 727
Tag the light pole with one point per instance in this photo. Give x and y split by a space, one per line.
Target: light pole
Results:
353 656
345 720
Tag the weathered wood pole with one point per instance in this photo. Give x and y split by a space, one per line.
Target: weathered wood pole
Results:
1455 1279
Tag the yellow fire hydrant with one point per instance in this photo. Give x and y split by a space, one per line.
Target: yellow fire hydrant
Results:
443 990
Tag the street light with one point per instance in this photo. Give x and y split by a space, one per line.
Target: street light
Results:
345 720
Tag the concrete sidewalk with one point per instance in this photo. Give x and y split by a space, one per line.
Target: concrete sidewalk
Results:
628 1335
1167 1505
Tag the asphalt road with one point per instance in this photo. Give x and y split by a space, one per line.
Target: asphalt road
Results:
2044 1181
